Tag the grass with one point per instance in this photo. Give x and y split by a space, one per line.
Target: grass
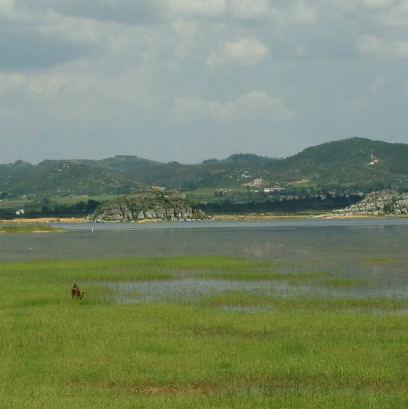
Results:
76 199
343 283
30 228
299 352
12 203
378 260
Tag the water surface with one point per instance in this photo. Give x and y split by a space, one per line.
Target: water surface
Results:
373 251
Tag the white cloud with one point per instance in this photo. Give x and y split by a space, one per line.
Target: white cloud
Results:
246 108
371 45
394 15
116 67
377 3
303 13
287 12
10 81
6 7
382 48
206 8
249 9
245 52
47 85
187 30
296 13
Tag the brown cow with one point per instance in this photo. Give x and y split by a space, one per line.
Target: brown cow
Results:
76 292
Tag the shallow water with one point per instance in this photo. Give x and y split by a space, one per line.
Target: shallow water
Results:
193 288
373 251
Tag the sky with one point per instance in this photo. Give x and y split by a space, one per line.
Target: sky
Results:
190 80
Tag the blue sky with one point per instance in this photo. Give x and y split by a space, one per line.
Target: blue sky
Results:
193 80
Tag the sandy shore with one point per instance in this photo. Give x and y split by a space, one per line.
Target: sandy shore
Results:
46 220
288 217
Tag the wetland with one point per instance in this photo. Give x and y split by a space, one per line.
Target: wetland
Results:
213 315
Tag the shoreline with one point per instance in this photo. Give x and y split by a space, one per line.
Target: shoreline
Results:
40 220
225 217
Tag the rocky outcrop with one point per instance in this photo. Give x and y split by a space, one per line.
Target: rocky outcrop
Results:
147 205
378 203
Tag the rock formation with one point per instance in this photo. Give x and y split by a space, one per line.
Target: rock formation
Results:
147 205
378 203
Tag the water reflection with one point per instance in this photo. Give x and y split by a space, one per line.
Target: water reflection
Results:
191 288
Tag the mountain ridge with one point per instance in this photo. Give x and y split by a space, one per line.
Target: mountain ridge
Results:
353 164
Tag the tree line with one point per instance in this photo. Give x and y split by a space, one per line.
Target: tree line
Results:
51 208
326 202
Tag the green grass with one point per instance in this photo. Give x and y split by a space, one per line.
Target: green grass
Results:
299 352
29 228
379 260
76 199
13 203
343 283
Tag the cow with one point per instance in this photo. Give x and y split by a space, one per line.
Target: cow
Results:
76 292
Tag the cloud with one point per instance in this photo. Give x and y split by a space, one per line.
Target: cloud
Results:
187 30
124 11
206 8
249 9
287 12
26 50
6 7
246 108
382 48
377 3
246 52
123 67
10 81
47 85
39 38
394 15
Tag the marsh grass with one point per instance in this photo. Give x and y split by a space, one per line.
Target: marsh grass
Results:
344 282
93 353
379 260
30 228
256 301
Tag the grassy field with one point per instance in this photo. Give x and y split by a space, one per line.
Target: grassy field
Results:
233 350
31 228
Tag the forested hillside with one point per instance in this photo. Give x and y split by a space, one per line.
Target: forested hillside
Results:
343 167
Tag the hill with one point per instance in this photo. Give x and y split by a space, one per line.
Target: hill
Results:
150 205
346 166
56 178
368 165
213 173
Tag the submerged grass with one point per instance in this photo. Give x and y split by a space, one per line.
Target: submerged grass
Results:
379 260
235 300
344 282
92 353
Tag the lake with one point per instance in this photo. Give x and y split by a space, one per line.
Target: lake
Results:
373 251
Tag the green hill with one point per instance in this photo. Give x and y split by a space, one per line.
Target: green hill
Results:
55 178
345 166
174 175
369 165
